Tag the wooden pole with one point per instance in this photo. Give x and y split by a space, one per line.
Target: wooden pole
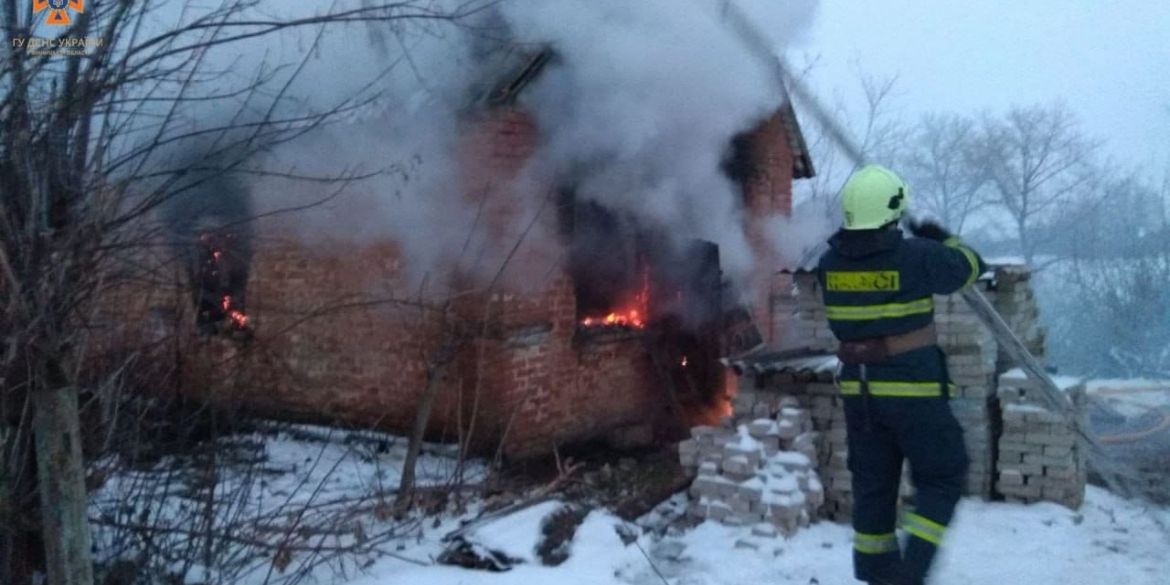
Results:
61 482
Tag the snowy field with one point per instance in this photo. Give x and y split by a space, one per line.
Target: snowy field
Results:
324 488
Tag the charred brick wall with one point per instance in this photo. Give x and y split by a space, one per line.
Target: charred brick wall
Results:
340 335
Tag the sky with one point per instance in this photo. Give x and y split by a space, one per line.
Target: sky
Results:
1108 59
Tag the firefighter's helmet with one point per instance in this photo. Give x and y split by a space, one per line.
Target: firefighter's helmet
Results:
873 197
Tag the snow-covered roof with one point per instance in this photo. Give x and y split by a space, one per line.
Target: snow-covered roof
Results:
1064 383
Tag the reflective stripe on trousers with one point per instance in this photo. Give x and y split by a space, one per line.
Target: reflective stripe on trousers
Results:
875 544
923 527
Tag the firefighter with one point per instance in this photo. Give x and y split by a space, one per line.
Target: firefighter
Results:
879 289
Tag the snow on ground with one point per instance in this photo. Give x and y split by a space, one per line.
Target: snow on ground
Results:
516 535
1108 541
321 498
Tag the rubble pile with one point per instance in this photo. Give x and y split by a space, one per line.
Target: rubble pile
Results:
816 392
757 470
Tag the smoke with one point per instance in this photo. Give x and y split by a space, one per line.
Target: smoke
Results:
383 166
641 110
636 113
800 239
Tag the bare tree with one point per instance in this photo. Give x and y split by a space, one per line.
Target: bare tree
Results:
1110 313
882 133
938 163
1036 159
1109 252
84 127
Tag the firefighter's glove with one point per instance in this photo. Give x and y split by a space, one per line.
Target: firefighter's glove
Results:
929 230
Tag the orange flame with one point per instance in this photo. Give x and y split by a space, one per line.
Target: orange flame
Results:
730 390
239 319
630 318
633 315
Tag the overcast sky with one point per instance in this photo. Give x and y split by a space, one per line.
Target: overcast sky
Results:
1109 59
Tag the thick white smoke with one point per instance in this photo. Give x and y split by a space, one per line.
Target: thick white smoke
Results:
637 114
800 239
641 111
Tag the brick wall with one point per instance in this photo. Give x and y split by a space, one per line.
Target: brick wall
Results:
767 193
340 334
336 335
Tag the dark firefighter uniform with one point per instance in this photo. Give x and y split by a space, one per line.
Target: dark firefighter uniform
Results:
878 292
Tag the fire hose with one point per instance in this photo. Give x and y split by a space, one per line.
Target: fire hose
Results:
1120 478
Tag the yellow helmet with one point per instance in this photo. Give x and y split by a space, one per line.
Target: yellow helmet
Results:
873 197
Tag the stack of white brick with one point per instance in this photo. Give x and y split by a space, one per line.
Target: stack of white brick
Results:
971 361
760 474
819 396
1039 458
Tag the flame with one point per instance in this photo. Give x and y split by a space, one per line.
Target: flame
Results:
633 315
684 361
730 390
236 318
630 318
239 319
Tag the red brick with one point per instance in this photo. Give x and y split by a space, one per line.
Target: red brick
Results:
366 364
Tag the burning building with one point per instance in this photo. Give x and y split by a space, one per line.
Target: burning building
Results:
617 337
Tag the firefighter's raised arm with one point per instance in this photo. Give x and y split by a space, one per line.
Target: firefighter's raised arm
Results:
950 264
